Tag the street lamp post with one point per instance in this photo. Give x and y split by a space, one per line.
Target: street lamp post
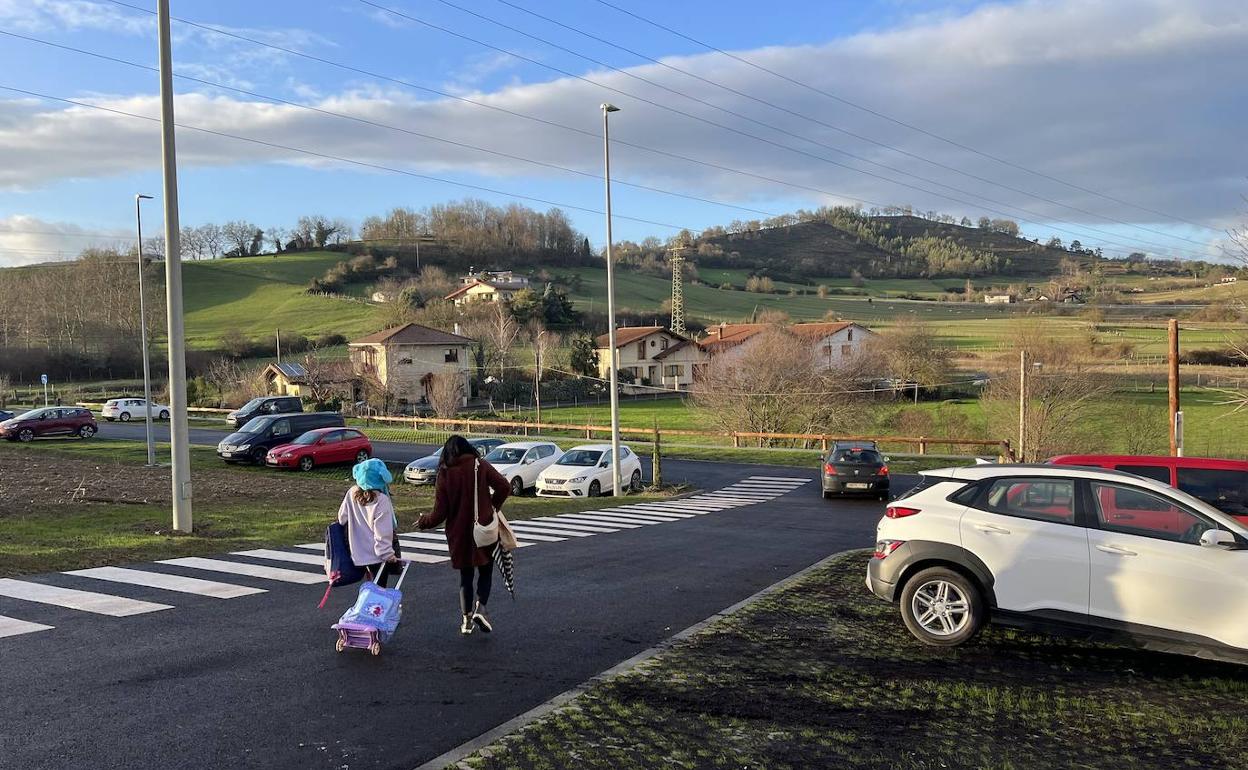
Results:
147 373
537 375
607 109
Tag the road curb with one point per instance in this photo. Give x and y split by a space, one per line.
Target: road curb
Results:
467 749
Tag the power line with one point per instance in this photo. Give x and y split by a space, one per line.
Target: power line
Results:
891 119
113 237
338 158
740 132
554 124
805 117
378 124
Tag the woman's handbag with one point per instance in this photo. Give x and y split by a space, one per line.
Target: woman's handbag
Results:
484 535
506 537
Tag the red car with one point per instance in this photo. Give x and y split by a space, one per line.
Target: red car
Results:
1220 483
50 421
323 446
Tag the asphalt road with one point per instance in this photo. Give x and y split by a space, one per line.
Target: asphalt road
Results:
254 681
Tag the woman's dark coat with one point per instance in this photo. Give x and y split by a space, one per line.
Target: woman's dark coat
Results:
453 504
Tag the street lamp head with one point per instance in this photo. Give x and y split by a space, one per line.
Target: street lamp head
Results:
608 107
142 197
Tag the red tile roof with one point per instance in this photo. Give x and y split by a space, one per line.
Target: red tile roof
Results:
628 334
730 335
412 334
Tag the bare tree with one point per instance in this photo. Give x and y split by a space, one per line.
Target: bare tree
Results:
213 238
225 375
238 236
772 385
324 378
913 356
497 329
192 243
446 393
6 388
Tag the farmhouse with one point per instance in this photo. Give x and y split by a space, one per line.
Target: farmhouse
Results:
405 359
651 356
999 299
832 343
487 291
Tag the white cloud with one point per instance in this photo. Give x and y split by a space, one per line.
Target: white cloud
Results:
1130 98
28 240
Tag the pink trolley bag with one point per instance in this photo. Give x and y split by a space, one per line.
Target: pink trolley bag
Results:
373 618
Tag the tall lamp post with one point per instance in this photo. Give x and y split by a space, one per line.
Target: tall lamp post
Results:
607 109
147 373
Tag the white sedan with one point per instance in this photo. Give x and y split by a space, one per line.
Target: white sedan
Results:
127 409
585 471
521 462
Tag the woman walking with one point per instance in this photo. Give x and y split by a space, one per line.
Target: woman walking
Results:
463 477
368 515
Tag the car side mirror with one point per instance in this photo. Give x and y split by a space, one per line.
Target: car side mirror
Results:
603 465
1217 538
528 461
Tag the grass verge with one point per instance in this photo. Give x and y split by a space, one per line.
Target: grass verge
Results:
821 674
70 504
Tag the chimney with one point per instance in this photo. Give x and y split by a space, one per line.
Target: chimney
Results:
457 329
719 331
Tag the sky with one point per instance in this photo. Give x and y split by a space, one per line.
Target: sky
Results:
1114 122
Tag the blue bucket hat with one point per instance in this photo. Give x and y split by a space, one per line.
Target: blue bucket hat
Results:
372 474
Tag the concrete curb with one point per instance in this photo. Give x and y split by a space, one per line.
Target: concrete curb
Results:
467 749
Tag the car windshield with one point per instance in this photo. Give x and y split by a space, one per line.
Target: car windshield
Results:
252 404
583 458
256 425
311 437
506 455
1226 490
856 457
33 414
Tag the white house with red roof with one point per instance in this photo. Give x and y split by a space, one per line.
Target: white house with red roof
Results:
832 343
653 357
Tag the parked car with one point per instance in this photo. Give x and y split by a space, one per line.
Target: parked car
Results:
50 421
127 409
425 470
1221 483
1038 545
252 442
258 407
323 446
855 469
521 462
585 471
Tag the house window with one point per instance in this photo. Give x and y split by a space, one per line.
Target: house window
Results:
452 356
674 370
663 341
827 352
851 335
847 351
641 350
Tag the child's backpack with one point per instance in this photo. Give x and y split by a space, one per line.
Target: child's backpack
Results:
339 568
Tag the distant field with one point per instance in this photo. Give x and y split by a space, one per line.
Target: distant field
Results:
258 295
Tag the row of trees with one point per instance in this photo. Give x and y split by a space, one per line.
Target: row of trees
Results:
241 238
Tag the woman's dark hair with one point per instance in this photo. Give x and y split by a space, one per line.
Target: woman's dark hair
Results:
455 447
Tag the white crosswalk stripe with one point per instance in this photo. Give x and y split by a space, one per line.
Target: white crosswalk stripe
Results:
14 627
526 529
607 518
560 521
167 582
641 510
272 555
424 558
596 520
249 570
422 545
639 518
86 601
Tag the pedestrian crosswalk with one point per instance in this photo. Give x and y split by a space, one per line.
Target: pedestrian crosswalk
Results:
98 590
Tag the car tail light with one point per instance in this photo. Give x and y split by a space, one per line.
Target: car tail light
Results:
827 468
899 511
885 548
883 470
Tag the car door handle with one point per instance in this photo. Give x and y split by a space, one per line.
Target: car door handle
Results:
992 528
1117 551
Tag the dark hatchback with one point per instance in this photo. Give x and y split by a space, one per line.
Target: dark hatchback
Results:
252 442
855 470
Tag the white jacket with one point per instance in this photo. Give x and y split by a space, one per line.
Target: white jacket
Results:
370 528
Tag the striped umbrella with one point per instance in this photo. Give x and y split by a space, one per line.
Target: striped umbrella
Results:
506 565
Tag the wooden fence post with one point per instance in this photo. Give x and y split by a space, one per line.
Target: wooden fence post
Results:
656 461
922 446
736 441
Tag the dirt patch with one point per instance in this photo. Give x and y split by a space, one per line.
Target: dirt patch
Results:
32 481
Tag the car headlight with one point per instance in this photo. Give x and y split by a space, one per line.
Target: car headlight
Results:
577 480
288 454
242 447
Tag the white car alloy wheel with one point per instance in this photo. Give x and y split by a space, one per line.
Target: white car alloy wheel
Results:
940 608
634 484
517 486
164 415
124 417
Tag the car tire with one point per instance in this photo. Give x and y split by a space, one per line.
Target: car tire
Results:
595 489
25 435
826 495
124 417
306 463
257 456
634 483
86 431
517 487
941 607
164 415
361 456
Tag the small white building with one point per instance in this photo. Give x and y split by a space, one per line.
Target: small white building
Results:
487 291
1230 279
999 299
653 357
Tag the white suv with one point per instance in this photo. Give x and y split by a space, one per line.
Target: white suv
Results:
1039 546
126 409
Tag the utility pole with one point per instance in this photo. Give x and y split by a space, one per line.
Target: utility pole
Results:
676 259
1174 386
279 346
607 109
179 431
537 374
147 374
1022 406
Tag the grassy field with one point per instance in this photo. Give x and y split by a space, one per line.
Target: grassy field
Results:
823 675
258 295
86 503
